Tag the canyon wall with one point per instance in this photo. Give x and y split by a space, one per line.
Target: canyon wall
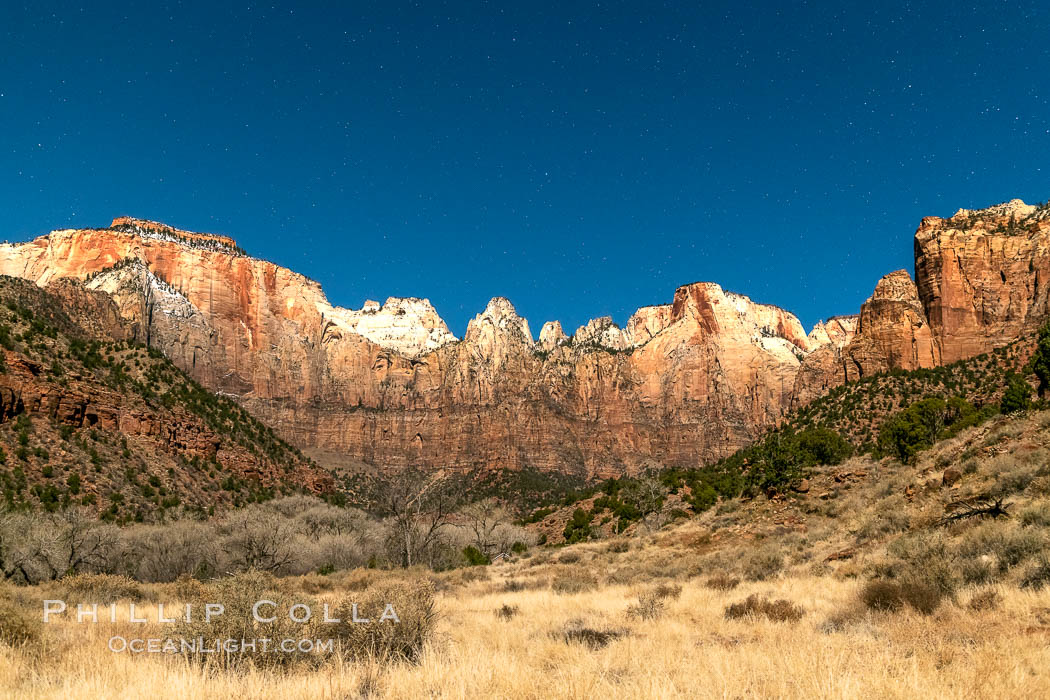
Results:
980 283
680 384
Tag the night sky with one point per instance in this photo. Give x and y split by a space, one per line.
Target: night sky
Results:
581 159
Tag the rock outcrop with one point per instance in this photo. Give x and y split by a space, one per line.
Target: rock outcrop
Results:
551 335
389 385
981 282
837 330
134 411
408 325
983 276
646 322
602 333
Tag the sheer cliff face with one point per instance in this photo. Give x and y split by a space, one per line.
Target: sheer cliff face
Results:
983 276
390 385
981 281
682 383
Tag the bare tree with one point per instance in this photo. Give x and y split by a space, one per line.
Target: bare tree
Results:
83 543
258 538
419 506
36 547
647 493
484 519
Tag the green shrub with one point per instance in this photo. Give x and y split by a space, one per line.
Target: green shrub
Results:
1040 361
474 556
1018 394
578 528
913 429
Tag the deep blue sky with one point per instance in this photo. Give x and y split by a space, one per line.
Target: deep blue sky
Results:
581 159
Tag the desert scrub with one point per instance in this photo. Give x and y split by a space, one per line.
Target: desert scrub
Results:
18 627
99 588
755 606
1007 543
1037 514
238 595
890 596
401 639
574 581
985 599
925 560
890 516
721 582
670 591
507 612
569 556
576 632
649 607
763 563
516 585
1038 575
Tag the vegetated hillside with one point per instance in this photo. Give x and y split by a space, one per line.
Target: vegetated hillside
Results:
89 418
824 433
972 510
856 410
863 585
521 491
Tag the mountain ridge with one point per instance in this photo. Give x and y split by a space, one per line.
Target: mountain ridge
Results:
681 383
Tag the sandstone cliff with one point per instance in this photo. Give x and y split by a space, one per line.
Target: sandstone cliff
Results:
680 383
981 281
390 386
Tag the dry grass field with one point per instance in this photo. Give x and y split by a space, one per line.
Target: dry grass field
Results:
836 649
855 587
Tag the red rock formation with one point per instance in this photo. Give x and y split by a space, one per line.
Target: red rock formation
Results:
983 276
685 382
981 281
682 383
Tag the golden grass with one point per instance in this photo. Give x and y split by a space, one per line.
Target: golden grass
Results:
691 651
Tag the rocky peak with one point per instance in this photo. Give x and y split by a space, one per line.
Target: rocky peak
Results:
646 322
134 272
552 335
408 325
1015 207
601 332
155 229
1011 218
837 330
718 312
501 318
896 286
